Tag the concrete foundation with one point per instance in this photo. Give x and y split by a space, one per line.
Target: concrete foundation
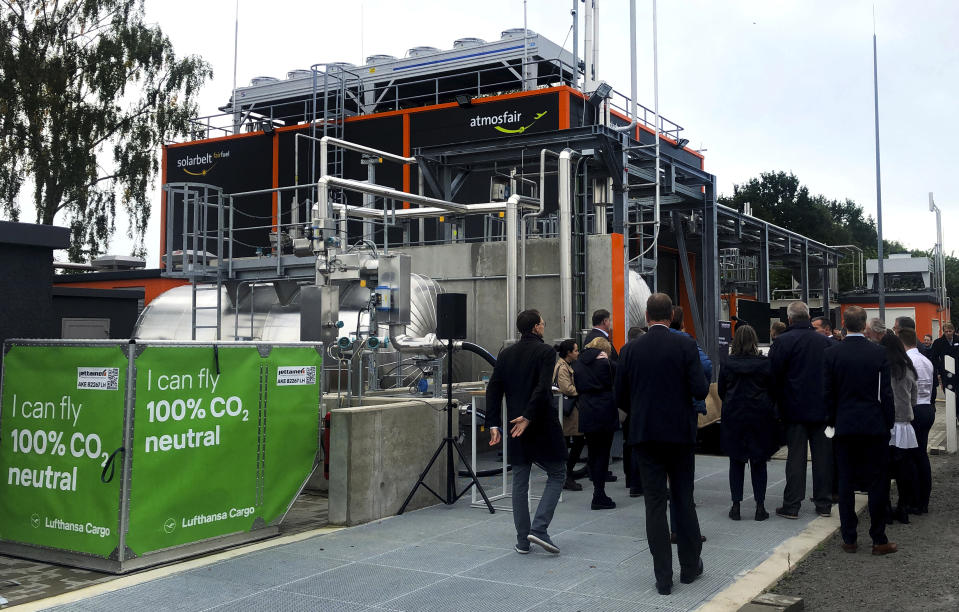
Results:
377 452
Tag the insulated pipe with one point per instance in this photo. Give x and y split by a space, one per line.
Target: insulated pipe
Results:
633 70
511 284
393 194
428 345
565 243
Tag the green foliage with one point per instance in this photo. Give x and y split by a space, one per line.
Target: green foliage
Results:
88 93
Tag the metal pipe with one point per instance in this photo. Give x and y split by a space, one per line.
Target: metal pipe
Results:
588 84
656 218
352 146
511 265
575 14
595 42
633 70
565 242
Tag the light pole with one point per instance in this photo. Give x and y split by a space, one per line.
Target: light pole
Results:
939 257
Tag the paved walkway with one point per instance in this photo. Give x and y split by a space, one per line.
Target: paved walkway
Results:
445 558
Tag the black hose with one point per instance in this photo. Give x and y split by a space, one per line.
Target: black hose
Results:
479 350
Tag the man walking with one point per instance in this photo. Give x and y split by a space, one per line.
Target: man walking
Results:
658 374
862 410
796 359
523 374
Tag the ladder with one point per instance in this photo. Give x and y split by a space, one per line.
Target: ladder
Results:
579 251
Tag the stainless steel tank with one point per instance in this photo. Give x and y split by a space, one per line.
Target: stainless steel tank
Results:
638 294
270 312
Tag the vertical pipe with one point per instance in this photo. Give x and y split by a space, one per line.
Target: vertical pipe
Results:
565 244
588 84
656 218
511 265
525 47
596 42
875 81
236 46
633 68
575 83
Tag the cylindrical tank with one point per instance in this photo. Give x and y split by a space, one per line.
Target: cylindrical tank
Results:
260 313
638 294
380 58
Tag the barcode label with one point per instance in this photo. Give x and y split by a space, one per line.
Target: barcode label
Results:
104 379
295 375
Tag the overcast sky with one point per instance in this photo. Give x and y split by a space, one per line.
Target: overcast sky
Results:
762 85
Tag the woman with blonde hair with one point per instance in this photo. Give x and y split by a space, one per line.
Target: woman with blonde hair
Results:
593 374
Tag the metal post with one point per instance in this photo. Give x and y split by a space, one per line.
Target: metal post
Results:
951 442
882 278
763 292
804 271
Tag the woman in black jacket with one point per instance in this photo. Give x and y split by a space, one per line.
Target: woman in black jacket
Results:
594 373
748 431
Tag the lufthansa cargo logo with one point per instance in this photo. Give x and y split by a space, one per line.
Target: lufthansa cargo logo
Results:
507 122
201 165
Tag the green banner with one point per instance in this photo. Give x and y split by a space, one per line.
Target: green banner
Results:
60 420
206 462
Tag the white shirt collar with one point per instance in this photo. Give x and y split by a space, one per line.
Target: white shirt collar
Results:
601 330
854 335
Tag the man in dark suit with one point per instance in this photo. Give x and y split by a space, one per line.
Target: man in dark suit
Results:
861 407
658 374
602 328
796 362
524 374
947 344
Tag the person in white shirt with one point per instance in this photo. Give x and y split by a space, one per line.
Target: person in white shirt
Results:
924 413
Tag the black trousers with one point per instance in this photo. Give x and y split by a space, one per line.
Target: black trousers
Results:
598 444
575 450
797 436
902 467
863 464
657 460
630 465
737 474
924 415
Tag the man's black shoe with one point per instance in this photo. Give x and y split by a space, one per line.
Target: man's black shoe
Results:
687 577
664 589
734 512
602 503
610 477
789 514
572 485
636 491
580 473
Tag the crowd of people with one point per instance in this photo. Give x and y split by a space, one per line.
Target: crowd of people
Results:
859 397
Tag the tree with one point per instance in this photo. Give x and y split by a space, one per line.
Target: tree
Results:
88 93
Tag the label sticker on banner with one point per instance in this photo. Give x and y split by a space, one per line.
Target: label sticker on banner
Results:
105 379
295 375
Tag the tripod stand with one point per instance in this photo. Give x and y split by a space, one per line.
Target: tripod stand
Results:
449 443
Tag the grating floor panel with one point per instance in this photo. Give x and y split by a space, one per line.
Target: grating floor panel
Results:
458 593
445 558
273 600
539 569
362 583
453 558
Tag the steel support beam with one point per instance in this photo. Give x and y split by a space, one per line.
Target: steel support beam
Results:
804 271
763 272
688 277
710 274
